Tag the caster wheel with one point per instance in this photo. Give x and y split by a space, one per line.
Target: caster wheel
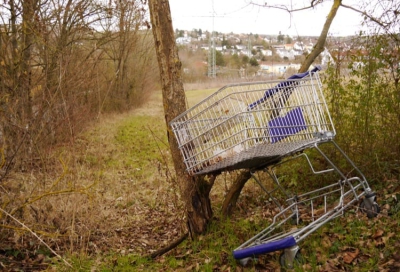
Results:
283 261
244 262
371 210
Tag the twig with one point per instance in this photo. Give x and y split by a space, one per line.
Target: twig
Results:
34 234
285 8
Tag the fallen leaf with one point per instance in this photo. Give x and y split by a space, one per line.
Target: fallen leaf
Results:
326 242
379 243
363 257
349 256
330 266
378 234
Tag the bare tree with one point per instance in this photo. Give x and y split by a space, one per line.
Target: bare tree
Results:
51 80
194 190
17 40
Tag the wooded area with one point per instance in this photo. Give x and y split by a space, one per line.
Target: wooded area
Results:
64 63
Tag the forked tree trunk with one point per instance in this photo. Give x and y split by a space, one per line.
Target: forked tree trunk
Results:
194 190
235 190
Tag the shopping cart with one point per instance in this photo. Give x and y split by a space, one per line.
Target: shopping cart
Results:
261 126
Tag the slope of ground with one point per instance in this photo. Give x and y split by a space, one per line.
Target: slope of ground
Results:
110 201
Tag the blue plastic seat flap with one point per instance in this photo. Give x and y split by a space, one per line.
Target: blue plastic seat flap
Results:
282 127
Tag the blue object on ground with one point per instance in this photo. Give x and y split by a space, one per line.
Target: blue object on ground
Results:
264 248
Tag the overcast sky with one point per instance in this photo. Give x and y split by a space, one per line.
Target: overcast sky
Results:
239 16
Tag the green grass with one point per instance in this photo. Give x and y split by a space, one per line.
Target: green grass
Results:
144 140
197 96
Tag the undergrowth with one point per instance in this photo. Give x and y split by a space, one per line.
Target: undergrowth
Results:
348 243
129 208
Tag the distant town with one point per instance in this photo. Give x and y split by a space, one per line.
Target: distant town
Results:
252 55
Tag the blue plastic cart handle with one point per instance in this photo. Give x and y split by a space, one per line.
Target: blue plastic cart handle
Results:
264 248
287 84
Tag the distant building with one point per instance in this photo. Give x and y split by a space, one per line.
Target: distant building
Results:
277 69
267 52
326 57
283 53
183 40
289 46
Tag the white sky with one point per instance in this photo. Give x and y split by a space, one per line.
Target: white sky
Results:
238 16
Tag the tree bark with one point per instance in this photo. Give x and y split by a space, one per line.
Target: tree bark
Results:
194 190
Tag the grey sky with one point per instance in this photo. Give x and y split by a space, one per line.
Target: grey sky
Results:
239 16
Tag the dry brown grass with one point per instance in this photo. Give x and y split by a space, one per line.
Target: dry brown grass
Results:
101 193
91 197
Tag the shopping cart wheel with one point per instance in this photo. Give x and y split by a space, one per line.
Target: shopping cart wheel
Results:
371 210
290 257
244 261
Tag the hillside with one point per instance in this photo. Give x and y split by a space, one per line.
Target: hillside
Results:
112 201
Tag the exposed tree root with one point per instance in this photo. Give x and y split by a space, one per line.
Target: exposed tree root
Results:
167 248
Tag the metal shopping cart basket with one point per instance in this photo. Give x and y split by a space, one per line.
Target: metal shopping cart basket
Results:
260 126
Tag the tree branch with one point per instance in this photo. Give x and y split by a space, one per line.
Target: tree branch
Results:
319 47
285 8
366 15
37 236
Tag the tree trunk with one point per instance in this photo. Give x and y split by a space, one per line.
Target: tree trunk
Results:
194 190
233 195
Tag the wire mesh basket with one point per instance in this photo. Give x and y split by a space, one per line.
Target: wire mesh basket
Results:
245 125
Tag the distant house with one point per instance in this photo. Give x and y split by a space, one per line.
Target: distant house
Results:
278 46
233 39
308 47
258 47
276 68
289 46
326 57
286 53
267 52
241 47
183 40
299 46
